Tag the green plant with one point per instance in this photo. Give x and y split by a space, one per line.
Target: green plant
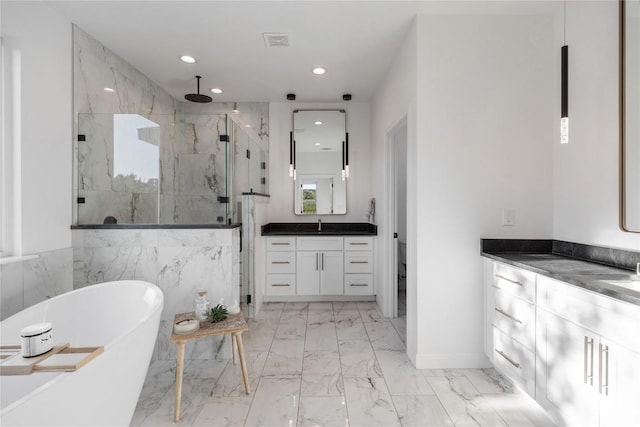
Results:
217 314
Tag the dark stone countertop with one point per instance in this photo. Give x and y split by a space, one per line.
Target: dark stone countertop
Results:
587 274
311 229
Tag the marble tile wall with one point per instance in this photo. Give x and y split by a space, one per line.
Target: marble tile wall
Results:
193 169
180 261
28 282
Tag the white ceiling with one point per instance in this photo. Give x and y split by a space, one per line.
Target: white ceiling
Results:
355 41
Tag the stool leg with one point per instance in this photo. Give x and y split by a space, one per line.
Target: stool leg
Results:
179 372
234 344
243 363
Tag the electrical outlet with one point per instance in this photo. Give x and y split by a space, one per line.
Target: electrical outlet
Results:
508 217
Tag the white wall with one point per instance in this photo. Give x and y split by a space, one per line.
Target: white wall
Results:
44 40
396 100
281 184
586 169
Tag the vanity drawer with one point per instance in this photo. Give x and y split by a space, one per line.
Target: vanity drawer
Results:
281 262
358 284
515 361
281 244
515 281
358 262
358 243
516 318
281 284
319 243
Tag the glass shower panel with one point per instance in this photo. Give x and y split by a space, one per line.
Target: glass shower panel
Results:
257 169
118 167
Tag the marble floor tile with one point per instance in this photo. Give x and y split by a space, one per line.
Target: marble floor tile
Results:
285 359
330 375
321 336
401 376
383 336
358 359
224 411
421 411
323 411
230 382
275 403
369 403
464 404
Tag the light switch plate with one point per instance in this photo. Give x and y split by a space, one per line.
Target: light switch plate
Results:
508 217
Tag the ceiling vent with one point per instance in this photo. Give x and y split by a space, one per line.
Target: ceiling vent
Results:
275 39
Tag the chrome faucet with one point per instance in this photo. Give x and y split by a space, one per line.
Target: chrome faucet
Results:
319 225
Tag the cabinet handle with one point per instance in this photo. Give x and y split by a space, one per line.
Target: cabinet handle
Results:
515 282
358 284
280 262
504 313
322 258
604 383
510 360
588 367
358 243
317 254
280 284
359 262
280 244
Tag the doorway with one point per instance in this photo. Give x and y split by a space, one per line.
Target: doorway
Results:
397 217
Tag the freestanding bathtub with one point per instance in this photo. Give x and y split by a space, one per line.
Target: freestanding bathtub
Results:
123 317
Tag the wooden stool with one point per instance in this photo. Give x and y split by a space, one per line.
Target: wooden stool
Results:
234 325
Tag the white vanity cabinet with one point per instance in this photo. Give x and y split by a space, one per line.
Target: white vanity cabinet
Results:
358 266
588 357
281 266
319 268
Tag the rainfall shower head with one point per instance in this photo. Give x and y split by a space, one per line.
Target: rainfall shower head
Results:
197 97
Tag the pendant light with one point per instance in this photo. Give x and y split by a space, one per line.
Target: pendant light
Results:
564 89
292 142
345 144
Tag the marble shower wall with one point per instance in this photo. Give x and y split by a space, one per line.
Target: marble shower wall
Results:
180 261
28 282
192 163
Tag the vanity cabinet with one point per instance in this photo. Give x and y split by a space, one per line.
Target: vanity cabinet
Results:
588 357
319 267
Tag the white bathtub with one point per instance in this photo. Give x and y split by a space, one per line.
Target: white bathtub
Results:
123 317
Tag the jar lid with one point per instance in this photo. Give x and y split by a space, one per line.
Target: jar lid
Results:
36 329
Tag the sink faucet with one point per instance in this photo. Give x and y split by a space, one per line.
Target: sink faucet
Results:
319 225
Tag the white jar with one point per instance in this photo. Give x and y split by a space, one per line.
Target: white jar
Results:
201 306
36 339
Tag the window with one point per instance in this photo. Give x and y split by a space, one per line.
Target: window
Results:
309 198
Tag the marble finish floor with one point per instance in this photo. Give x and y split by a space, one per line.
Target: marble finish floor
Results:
330 364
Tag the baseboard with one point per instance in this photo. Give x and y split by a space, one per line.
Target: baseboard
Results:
451 361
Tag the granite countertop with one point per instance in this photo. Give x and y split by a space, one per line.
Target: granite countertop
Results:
311 229
591 274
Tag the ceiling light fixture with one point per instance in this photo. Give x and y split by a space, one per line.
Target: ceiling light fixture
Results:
216 90
188 59
317 144
317 123
564 85
247 126
318 71
235 108
108 89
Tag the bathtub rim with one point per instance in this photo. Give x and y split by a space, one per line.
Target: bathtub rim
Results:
61 376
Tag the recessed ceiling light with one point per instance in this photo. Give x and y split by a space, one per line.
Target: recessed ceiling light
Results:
317 123
188 59
216 90
318 70
247 126
317 144
108 89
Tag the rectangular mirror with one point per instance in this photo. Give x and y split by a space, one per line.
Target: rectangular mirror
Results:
630 115
319 150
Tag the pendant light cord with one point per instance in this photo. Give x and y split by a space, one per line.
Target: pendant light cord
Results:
565 22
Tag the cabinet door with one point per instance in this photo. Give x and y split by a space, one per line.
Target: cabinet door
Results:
566 371
619 387
331 273
308 273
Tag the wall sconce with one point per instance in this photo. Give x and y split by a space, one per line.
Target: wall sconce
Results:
292 156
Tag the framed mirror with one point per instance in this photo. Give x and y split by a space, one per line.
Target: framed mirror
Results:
318 154
630 115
